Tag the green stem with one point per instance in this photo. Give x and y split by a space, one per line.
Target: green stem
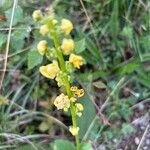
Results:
67 87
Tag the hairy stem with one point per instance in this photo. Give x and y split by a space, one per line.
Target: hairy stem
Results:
67 86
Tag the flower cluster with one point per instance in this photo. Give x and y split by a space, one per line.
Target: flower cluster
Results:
59 68
77 92
62 102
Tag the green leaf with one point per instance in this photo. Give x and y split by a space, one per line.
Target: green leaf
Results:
128 68
2 39
93 51
80 46
36 146
88 115
25 147
4 5
114 23
44 126
94 75
18 39
18 15
100 85
86 146
124 111
63 145
127 32
127 129
34 58
145 43
108 135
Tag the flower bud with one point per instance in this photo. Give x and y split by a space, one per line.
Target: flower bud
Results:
54 21
79 107
3 101
37 14
66 26
79 92
42 46
73 99
62 102
67 46
74 130
74 88
50 71
44 29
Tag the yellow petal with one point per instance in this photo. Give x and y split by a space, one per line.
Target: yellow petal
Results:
50 70
44 29
42 46
74 130
37 14
66 26
76 60
67 46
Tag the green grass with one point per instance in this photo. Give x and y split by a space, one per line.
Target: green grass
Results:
115 44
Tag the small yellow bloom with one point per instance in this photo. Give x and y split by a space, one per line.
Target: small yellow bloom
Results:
73 99
62 102
79 92
67 46
79 107
76 60
3 100
44 29
73 88
50 71
76 91
37 14
66 26
42 46
74 130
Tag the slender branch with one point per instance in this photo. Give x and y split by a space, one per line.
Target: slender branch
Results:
143 137
8 43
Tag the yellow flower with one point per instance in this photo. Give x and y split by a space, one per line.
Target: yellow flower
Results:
3 100
74 130
66 26
67 46
76 91
76 60
44 29
50 71
79 107
42 46
74 88
79 92
62 102
37 14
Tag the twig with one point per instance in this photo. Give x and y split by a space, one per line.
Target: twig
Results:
89 20
103 106
8 43
112 93
143 137
143 101
100 114
16 53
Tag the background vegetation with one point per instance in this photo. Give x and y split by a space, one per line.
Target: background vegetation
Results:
114 38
